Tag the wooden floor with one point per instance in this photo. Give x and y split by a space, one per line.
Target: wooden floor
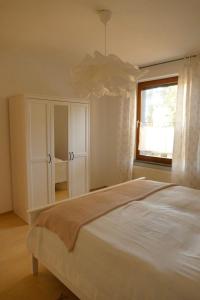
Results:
61 195
16 279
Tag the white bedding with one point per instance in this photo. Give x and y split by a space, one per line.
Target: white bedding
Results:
146 250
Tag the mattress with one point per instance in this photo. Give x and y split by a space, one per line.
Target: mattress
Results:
147 250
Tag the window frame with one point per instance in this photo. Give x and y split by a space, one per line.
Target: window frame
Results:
169 81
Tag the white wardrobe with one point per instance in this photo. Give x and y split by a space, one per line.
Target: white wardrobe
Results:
49 150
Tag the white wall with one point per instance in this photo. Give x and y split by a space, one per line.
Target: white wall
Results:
163 70
153 172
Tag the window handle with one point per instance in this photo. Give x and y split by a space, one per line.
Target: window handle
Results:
137 123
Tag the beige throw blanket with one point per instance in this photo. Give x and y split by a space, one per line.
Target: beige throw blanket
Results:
66 219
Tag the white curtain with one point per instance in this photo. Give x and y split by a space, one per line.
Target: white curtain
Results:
112 139
156 139
186 156
126 137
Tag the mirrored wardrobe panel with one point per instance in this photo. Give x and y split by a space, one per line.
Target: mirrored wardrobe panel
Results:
61 152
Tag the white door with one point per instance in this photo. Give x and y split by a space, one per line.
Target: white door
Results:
40 155
78 149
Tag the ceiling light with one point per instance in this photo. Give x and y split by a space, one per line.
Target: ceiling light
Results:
103 74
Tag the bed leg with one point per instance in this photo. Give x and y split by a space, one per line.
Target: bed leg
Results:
34 265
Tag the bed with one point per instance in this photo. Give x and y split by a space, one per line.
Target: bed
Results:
60 170
147 249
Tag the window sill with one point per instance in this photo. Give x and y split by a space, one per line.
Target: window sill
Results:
152 165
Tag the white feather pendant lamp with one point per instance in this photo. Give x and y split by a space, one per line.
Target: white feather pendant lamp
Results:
101 75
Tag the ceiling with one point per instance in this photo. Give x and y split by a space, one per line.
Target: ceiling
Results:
141 31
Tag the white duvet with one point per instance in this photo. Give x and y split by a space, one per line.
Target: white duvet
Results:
146 250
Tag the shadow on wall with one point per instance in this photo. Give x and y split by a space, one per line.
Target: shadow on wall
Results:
105 146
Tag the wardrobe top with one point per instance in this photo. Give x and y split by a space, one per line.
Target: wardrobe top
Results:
49 98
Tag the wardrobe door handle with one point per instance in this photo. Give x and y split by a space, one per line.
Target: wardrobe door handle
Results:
72 155
49 156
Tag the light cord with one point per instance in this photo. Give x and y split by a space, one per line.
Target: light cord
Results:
105 16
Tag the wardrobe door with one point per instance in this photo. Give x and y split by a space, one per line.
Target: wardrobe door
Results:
40 156
78 149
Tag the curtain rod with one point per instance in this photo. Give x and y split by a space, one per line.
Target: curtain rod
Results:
167 61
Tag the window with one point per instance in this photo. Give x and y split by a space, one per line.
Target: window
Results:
155 120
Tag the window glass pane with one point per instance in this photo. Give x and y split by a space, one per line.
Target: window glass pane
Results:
158 108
